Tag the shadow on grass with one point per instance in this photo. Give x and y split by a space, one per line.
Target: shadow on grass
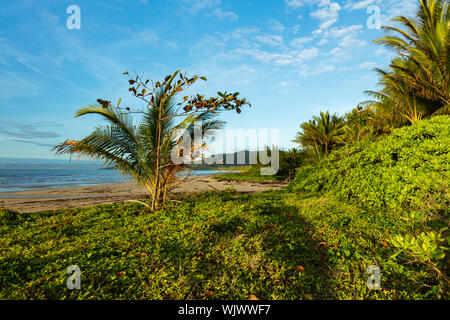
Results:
294 261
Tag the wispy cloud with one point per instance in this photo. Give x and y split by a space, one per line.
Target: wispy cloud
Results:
212 6
23 62
25 130
272 40
367 65
27 141
356 5
276 26
328 14
388 8
307 71
223 15
297 3
300 42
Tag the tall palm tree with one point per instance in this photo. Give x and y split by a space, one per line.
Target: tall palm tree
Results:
143 151
397 101
322 134
418 81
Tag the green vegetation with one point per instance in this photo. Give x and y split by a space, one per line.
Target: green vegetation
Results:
146 152
372 188
416 83
405 175
220 245
415 86
248 173
398 172
322 134
381 203
289 161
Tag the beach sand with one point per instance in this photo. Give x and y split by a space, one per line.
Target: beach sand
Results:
77 197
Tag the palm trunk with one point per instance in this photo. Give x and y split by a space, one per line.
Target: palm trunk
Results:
155 200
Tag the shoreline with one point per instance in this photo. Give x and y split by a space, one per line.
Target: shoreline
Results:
86 196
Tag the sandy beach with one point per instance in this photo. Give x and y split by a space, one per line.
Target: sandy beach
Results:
77 197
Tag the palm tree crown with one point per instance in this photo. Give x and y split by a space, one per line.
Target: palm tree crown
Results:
322 134
417 82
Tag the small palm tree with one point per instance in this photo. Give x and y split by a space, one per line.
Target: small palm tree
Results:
322 134
145 151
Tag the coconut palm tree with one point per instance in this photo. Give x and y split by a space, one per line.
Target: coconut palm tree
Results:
145 151
418 80
322 134
397 101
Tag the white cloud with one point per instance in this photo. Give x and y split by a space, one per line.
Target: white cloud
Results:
296 3
307 71
328 14
289 84
367 65
300 42
292 57
222 15
338 52
381 51
352 5
307 54
195 6
198 5
349 41
276 26
272 40
389 8
394 8
348 36
344 31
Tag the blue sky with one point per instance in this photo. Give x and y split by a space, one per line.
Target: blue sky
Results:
289 58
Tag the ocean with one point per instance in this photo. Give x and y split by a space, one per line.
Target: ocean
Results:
26 175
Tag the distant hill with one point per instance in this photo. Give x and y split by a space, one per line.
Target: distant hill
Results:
240 158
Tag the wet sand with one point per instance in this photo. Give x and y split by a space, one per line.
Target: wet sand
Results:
78 197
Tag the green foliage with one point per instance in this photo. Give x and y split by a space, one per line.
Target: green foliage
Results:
416 84
394 173
322 134
248 173
426 247
218 245
405 174
290 160
145 152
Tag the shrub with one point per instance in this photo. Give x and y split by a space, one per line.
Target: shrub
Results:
396 172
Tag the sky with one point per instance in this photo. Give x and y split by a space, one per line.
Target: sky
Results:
290 58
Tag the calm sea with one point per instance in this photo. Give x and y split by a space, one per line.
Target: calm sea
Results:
33 176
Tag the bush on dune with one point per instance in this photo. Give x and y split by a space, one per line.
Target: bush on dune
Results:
397 172
405 175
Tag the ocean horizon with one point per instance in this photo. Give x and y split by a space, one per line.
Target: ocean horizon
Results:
18 175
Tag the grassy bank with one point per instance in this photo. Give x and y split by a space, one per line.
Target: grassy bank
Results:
377 203
212 246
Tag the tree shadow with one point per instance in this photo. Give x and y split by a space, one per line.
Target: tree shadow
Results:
291 246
